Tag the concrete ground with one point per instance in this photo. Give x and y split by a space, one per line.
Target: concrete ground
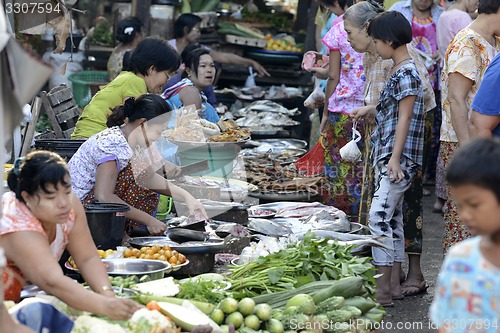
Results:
411 313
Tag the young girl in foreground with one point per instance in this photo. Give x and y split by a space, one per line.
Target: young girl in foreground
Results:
467 292
397 147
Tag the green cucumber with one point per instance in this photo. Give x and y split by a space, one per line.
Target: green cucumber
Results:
347 287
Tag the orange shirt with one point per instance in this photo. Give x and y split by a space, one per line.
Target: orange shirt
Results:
16 216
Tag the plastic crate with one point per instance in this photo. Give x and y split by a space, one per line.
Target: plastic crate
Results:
85 84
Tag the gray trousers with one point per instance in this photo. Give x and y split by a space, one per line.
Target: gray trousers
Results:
386 212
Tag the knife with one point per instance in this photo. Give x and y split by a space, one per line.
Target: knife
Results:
194 168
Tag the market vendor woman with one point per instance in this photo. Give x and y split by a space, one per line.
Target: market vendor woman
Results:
151 65
198 75
41 217
119 164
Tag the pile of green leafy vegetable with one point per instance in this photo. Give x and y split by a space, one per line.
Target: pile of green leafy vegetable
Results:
203 291
308 260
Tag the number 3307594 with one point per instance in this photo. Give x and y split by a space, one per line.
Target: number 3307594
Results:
32 8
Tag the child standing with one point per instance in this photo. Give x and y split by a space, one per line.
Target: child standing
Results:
468 288
397 147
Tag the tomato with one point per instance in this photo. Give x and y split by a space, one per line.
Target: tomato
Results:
155 248
182 258
173 260
156 256
144 249
168 254
166 248
162 258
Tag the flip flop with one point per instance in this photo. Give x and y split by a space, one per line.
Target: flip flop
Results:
413 288
399 298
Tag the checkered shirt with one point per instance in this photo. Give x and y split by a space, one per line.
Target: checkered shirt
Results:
404 82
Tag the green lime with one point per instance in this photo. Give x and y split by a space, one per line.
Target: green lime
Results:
253 322
228 305
263 311
275 326
218 316
235 318
246 306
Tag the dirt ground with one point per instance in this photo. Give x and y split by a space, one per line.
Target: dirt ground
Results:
411 313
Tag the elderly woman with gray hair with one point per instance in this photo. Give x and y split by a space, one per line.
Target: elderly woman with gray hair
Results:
377 71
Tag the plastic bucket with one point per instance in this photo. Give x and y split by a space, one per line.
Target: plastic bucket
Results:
221 159
66 148
106 223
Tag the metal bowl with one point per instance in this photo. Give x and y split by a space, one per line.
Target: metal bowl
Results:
155 269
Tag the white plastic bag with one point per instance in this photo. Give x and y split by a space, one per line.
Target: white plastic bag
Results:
350 152
250 82
317 98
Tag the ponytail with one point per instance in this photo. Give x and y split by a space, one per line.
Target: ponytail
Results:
120 112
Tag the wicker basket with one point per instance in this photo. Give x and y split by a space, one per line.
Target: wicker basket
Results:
86 84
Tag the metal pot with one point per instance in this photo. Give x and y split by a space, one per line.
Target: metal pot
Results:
155 269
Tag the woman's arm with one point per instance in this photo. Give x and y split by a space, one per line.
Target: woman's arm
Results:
482 125
190 96
105 183
84 252
405 114
160 185
40 267
458 89
333 81
230 58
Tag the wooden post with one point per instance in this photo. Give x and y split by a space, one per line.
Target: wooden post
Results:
141 9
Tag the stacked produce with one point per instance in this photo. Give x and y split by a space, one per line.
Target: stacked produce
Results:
156 252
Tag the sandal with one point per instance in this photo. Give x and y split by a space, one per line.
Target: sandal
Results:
414 288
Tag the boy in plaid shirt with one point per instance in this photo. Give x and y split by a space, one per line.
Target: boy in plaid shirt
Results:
397 147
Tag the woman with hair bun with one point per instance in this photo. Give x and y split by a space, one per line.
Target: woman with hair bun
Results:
41 217
128 34
152 63
119 164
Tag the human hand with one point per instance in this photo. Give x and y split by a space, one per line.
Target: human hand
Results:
119 308
320 72
394 171
364 112
171 171
156 227
260 69
196 208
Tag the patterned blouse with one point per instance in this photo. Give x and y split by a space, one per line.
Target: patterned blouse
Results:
404 82
111 145
377 71
108 145
349 92
18 217
468 54
467 292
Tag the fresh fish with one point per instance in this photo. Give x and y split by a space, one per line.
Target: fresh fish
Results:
349 239
267 227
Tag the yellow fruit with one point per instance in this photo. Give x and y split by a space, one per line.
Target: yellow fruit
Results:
101 253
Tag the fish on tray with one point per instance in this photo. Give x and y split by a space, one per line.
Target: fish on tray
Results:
267 227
